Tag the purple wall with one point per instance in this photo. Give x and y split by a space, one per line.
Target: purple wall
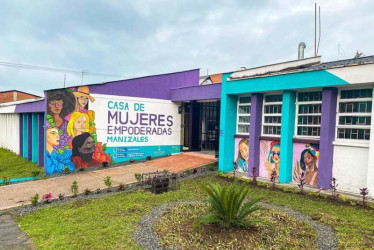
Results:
21 135
255 133
203 92
158 86
29 136
37 106
328 121
41 139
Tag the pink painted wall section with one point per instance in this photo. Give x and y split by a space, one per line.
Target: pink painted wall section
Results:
241 154
305 163
269 158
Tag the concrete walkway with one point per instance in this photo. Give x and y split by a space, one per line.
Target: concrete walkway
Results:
18 194
11 237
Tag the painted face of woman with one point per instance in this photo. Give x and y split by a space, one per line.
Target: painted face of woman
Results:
56 106
275 154
79 125
53 138
244 150
82 101
308 159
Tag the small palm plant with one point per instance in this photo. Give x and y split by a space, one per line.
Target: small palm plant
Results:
227 206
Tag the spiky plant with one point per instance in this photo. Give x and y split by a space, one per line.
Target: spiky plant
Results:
364 192
302 181
273 178
333 186
254 175
227 206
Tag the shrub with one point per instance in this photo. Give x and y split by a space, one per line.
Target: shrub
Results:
66 170
104 164
254 180
87 191
34 199
108 183
121 187
35 173
333 186
47 197
74 188
227 207
343 198
273 178
188 172
61 197
6 181
98 191
211 167
138 177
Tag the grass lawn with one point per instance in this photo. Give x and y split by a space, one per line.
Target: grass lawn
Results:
109 222
14 166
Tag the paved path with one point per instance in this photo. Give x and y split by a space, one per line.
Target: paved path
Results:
11 237
18 194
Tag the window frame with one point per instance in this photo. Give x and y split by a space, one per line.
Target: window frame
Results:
297 104
263 124
247 115
352 114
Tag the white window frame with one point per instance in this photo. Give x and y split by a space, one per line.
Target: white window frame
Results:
345 141
313 114
248 115
275 115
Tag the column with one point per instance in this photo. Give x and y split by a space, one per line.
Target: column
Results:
35 135
255 133
326 149
227 131
370 173
29 136
287 133
20 135
41 139
24 136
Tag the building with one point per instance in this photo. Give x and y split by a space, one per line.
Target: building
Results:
295 120
84 126
301 119
15 95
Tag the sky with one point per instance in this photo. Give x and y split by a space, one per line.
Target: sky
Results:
112 40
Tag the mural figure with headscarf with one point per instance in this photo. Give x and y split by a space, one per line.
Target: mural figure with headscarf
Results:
308 164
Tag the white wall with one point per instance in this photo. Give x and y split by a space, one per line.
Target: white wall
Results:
9 132
350 167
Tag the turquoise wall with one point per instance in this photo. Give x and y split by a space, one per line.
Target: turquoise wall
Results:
283 82
287 132
227 130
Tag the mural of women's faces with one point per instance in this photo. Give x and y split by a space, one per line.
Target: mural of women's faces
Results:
82 95
306 163
269 158
78 124
242 154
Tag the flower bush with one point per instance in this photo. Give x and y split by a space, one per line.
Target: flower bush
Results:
47 197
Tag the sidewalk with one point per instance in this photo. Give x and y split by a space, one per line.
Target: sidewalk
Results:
19 194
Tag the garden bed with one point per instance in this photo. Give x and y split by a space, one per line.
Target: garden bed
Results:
109 222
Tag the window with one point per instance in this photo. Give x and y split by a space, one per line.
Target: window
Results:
354 114
272 115
244 115
308 110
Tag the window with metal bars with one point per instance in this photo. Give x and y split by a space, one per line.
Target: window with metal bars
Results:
272 115
243 115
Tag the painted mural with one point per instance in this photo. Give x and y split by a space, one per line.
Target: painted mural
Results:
269 158
306 163
242 154
84 129
71 141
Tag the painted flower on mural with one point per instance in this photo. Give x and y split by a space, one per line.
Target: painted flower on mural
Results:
100 155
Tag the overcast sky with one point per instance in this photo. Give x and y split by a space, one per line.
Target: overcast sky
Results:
126 39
